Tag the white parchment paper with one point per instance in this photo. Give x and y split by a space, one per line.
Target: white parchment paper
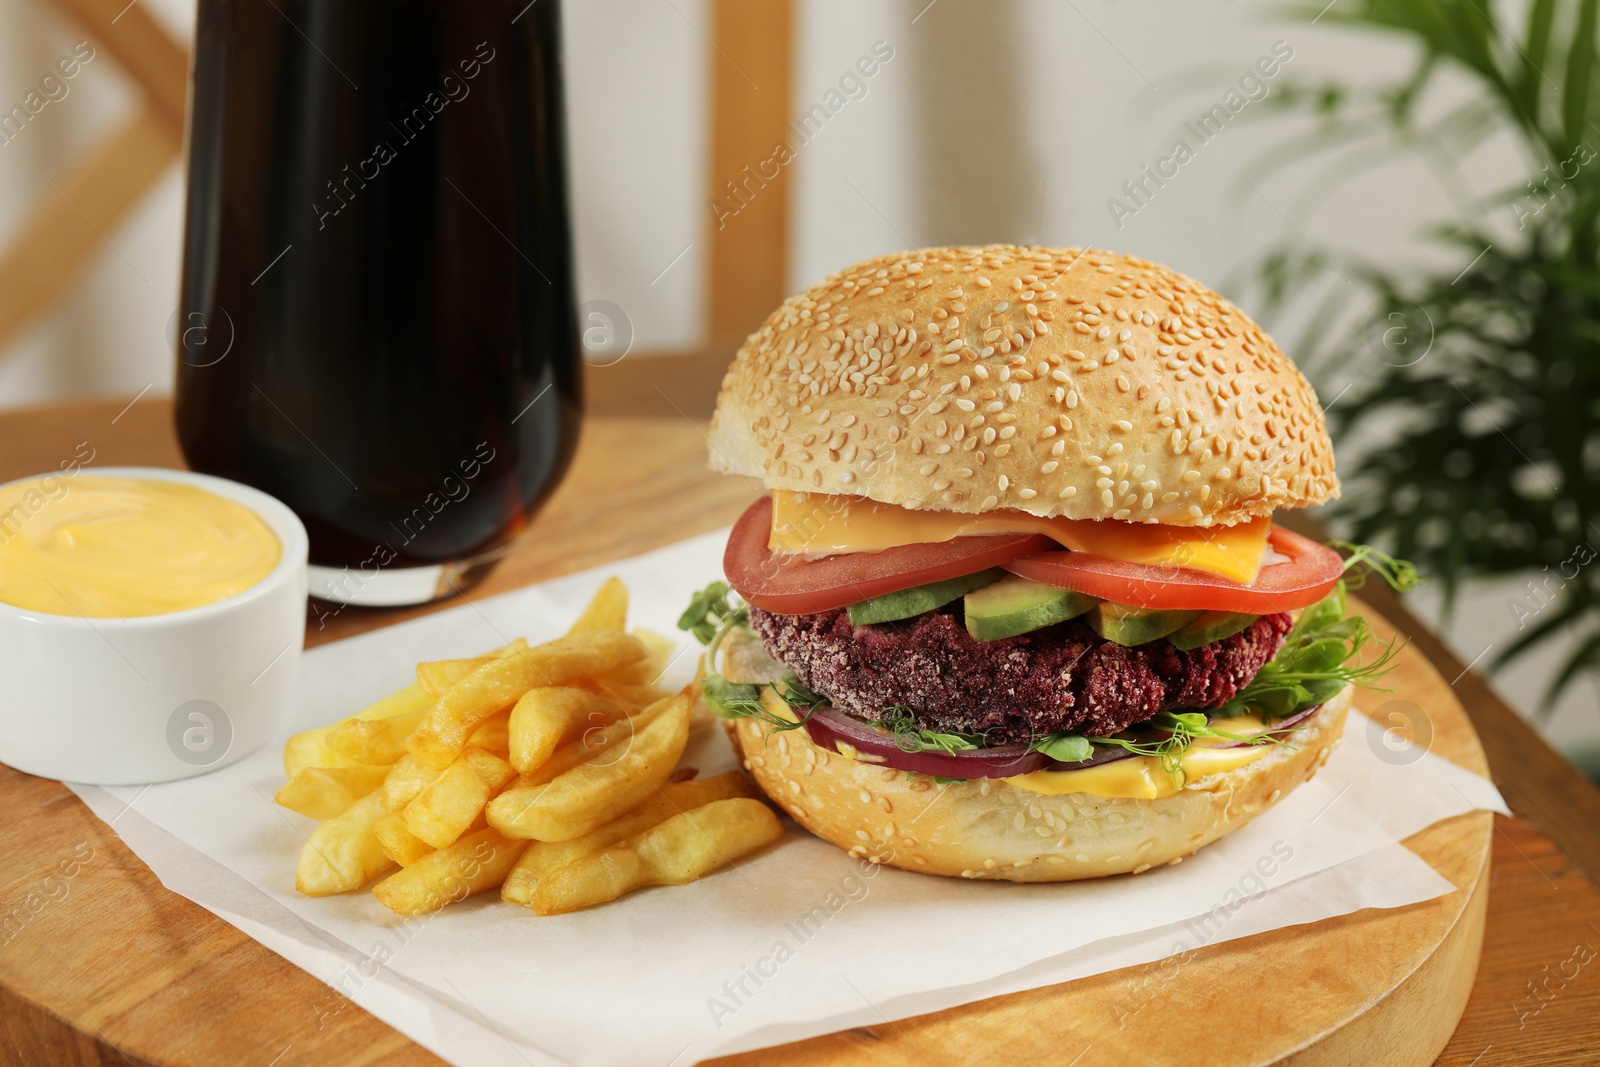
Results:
797 941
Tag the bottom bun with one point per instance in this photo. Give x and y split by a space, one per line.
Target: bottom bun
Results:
988 828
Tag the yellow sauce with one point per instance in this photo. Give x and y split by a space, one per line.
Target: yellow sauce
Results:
818 524
124 547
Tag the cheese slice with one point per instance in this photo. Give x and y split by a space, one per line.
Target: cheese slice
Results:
817 524
1143 777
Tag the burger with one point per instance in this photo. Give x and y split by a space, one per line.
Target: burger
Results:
1013 604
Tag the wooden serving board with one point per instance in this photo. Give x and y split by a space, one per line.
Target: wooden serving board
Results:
103 965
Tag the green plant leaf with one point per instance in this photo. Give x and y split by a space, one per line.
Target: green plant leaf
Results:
1580 67
1065 748
1535 50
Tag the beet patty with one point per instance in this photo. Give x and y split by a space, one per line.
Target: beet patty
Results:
1061 678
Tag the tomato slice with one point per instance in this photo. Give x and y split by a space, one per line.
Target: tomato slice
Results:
1308 576
793 585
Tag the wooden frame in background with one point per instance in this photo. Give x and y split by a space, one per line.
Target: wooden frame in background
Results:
751 56
67 231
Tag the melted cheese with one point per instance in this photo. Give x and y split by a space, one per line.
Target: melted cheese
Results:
819 525
1143 777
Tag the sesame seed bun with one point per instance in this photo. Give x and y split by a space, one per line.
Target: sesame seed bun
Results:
1060 382
988 828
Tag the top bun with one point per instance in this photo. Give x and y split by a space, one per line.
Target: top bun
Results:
1061 382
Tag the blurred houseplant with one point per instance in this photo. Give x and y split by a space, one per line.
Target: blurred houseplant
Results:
1485 389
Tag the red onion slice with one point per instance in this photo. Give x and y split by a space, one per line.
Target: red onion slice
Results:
828 728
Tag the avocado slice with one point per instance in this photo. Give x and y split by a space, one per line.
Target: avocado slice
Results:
1127 625
1014 605
905 603
1212 626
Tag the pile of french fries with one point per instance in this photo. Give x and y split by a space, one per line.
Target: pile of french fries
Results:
550 772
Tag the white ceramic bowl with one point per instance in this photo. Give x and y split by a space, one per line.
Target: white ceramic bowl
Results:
151 699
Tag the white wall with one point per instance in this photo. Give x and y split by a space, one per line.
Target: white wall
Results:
994 120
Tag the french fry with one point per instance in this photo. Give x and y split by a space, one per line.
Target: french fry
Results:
477 862
496 685
547 715
608 610
401 702
445 809
596 791
684 847
544 857
342 853
310 749
659 652
377 742
438 675
409 776
323 792
493 734
441 674
628 694
398 843
590 744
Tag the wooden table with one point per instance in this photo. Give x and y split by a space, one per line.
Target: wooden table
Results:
184 987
